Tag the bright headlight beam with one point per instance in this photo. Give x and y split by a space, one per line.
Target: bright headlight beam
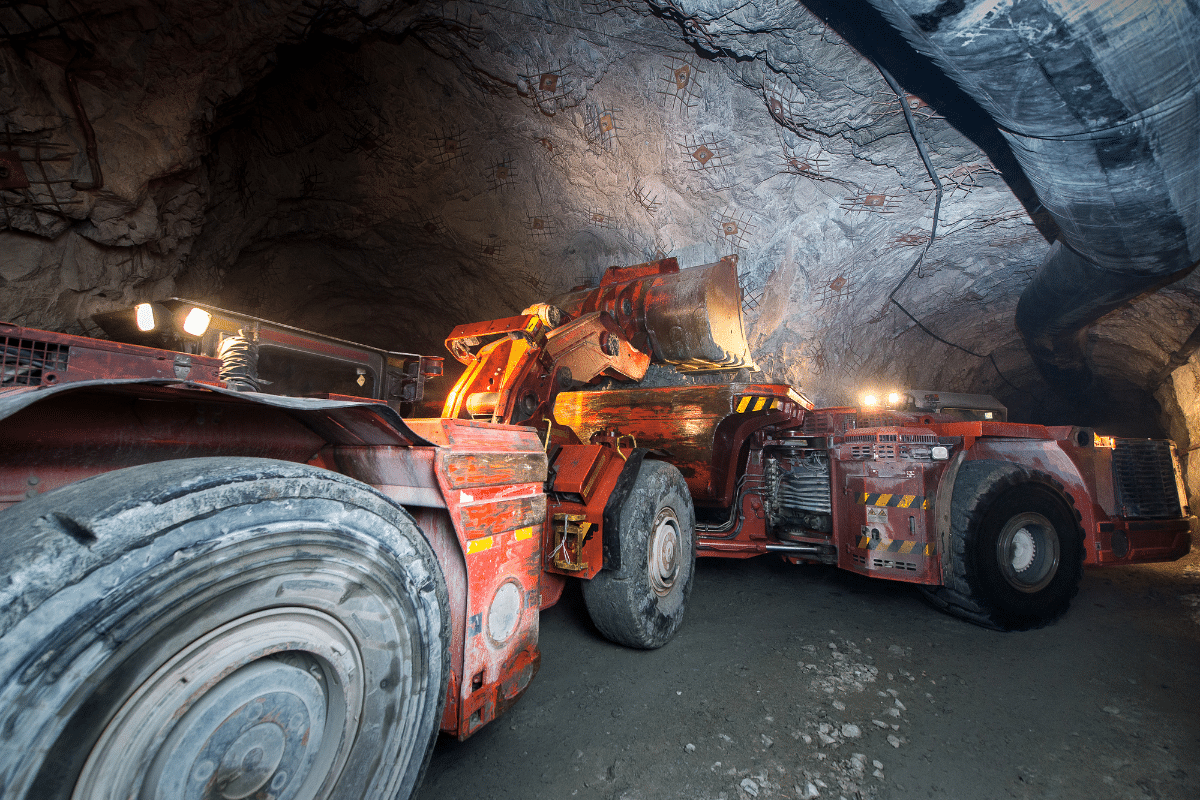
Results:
196 322
144 314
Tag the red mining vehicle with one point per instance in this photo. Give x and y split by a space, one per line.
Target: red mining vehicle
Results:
250 576
210 585
993 520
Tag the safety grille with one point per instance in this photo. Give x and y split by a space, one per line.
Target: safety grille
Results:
883 563
887 563
919 438
873 451
817 423
25 362
1144 476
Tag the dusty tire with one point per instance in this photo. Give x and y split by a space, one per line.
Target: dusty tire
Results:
1016 549
218 627
642 604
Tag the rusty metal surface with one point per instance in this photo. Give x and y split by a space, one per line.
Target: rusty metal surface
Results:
59 358
71 435
1144 541
577 469
484 516
439 532
513 379
465 341
404 474
1005 430
595 476
502 373
689 318
883 521
463 435
593 345
52 436
700 428
518 365
464 470
499 531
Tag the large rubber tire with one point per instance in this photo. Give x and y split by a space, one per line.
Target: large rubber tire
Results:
642 604
1016 548
218 628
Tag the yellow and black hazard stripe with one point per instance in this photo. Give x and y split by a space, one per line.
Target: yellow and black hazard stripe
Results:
749 403
893 500
895 546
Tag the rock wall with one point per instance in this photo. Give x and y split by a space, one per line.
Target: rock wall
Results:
383 171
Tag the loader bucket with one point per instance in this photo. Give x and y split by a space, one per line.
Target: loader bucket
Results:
689 318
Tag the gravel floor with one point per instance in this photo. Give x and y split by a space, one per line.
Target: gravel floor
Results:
806 682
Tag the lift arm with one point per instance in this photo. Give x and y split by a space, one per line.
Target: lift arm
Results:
515 366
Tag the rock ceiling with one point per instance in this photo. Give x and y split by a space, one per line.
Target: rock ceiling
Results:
384 170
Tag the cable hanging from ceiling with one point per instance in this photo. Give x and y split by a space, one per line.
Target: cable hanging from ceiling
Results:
937 206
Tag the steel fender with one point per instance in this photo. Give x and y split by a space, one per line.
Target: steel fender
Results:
338 421
942 503
1047 456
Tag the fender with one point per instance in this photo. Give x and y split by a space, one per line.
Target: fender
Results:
339 422
56 435
942 503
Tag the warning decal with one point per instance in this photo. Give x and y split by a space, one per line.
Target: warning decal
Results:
893 500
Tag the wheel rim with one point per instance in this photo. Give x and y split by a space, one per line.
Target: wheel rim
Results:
664 552
1028 552
265 705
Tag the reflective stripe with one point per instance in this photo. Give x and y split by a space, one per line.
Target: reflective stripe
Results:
895 546
479 545
893 500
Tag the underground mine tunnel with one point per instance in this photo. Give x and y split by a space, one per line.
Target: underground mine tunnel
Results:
384 171
988 197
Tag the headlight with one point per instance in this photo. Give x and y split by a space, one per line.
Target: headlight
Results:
893 398
144 314
939 453
196 322
870 400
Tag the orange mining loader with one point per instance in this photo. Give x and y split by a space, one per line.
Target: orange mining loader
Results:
992 520
230 564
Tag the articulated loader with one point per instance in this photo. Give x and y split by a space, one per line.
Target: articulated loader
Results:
231 565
